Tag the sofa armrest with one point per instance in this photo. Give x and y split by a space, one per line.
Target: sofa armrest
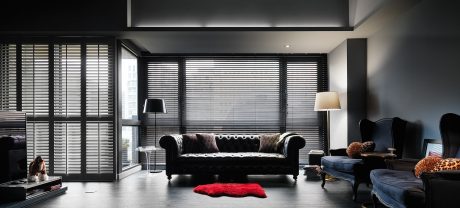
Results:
292 144
441 188
401 164
338 152
172 144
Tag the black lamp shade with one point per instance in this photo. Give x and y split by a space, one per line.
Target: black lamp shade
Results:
154 106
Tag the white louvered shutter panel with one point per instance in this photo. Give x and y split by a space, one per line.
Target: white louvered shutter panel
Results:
38 141
35 80
99 104
8 77
67 104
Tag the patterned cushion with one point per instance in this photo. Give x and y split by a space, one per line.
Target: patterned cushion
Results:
447 164
268 142
190 143
368 146
282 138
207 143
427 164
354 149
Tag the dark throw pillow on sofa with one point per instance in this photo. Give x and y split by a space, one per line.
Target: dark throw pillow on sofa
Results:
207 143
190 143
268 143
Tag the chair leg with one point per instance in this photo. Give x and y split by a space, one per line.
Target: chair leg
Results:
295 177
169 177
375 200
323 178
355 190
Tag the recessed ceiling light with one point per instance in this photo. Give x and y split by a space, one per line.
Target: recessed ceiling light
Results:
287 46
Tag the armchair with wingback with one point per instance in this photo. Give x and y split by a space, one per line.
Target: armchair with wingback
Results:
385 133
398 187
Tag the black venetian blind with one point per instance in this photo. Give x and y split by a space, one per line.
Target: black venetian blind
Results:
238 95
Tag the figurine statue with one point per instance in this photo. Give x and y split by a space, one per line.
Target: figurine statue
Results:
37 170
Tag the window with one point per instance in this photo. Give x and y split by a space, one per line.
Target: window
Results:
129 106
232 95
66 91
241 95
302 85
162 82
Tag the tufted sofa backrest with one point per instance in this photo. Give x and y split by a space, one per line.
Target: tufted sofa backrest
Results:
238 143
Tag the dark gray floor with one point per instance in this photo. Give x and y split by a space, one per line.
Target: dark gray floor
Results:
153 190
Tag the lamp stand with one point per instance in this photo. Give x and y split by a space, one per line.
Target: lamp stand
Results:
155 153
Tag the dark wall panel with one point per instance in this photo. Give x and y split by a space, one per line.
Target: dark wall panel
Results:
356 85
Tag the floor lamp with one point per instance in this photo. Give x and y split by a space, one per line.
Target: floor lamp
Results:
154 106
327 101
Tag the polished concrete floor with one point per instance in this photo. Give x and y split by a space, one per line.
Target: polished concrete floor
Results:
154 190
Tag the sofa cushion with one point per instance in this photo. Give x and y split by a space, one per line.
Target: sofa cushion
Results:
339 163
236 157
398 188
268 142
207 143
282 138
190 143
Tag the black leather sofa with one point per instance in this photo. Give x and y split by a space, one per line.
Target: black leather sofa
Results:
238 154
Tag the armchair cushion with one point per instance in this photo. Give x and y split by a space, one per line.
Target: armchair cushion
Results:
396 187
354 149
339 163
427 164
447 164
368 146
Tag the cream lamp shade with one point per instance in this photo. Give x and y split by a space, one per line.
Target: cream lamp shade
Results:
327 101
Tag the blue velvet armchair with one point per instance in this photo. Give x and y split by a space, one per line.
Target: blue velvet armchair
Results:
398 187
386 133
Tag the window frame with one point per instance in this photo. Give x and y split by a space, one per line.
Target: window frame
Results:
131 48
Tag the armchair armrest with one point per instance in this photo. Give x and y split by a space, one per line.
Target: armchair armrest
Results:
401 164
338 152
172 144
292 144
441 188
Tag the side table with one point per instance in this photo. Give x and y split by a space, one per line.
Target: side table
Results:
147 150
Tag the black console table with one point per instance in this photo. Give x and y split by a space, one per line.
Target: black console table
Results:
13 194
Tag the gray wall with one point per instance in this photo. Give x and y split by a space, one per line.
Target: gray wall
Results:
414 69
347 76
337 65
